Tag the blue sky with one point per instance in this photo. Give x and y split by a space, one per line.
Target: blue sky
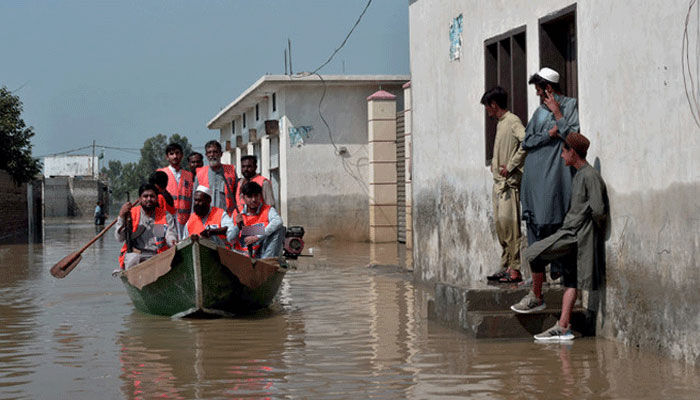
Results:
119 72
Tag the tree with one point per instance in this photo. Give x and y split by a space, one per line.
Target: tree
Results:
129 176
16 149
153 151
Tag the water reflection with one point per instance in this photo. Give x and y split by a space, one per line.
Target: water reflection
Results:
188 358
347 324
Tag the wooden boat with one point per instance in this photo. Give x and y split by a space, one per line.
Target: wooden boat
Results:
199 278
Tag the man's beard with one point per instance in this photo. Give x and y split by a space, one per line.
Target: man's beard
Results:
200 210
214 162
148 208
248 175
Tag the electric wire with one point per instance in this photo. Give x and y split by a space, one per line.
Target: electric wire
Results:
690 92
346 38
345 163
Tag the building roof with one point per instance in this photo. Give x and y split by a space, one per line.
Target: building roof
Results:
268 84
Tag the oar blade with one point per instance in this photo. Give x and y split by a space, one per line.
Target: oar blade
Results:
66 265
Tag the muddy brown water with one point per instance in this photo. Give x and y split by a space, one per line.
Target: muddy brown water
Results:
340 330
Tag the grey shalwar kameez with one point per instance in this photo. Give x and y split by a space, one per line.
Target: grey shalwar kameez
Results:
546 185
583 230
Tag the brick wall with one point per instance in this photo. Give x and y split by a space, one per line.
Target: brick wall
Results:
57 197
73 197
13 207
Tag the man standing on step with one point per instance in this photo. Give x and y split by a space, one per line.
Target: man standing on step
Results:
580 242
546 187
506 167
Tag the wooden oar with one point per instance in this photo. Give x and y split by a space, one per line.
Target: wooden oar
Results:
69 262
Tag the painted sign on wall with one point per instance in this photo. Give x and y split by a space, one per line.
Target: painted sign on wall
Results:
297 134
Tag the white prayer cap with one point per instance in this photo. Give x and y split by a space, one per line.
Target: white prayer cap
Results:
204 190
549 74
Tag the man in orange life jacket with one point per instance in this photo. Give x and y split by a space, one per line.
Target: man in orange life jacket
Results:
153 229
249 166
219 178
206 221
258 225
196 160
159 179
179 185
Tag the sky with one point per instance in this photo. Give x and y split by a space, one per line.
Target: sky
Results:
119 72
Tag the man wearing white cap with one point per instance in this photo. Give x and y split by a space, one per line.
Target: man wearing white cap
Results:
546 186
206 221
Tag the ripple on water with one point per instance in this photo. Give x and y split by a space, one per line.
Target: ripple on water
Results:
339 330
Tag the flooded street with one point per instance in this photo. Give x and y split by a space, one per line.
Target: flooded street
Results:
339 330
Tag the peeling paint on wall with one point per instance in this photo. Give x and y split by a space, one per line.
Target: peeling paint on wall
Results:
297 134
456 38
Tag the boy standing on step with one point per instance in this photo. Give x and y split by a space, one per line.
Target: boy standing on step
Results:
580 240
507 169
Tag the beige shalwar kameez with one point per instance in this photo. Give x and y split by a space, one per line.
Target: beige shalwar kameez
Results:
507 151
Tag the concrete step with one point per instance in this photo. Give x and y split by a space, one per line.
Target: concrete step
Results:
491 298
507 324
484 311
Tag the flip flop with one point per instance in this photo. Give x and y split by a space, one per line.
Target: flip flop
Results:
498 276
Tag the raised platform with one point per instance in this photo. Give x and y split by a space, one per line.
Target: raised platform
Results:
484 311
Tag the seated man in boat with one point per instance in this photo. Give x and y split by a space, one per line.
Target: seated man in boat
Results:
258 228
206 221
153 229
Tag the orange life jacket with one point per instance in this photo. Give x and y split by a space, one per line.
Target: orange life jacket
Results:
261 219
195 225
229 180
181 192
259 179
160 219
164 205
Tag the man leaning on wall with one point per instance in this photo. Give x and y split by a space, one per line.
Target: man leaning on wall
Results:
506 166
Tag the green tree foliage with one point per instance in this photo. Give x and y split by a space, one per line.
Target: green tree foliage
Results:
16 149
129 176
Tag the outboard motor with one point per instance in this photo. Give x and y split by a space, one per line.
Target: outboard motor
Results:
293 242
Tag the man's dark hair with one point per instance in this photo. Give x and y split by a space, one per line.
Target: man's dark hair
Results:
251 189
159 178
147 186
194 153
542 83
250 157
212 143
172 147
497 94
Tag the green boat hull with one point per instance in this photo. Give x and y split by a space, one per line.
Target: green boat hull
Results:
197 278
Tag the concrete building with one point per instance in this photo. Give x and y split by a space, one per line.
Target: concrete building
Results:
71 165
311 139
630 67
72 187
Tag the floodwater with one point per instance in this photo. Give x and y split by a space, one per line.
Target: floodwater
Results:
340 330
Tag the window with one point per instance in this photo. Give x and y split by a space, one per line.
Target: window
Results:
558 47
257 112
274 102
233 127
244 124
506 66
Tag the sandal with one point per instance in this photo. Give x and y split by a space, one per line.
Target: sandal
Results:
498 275
511 279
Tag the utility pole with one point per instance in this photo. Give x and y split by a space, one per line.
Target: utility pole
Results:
92 160
289 44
